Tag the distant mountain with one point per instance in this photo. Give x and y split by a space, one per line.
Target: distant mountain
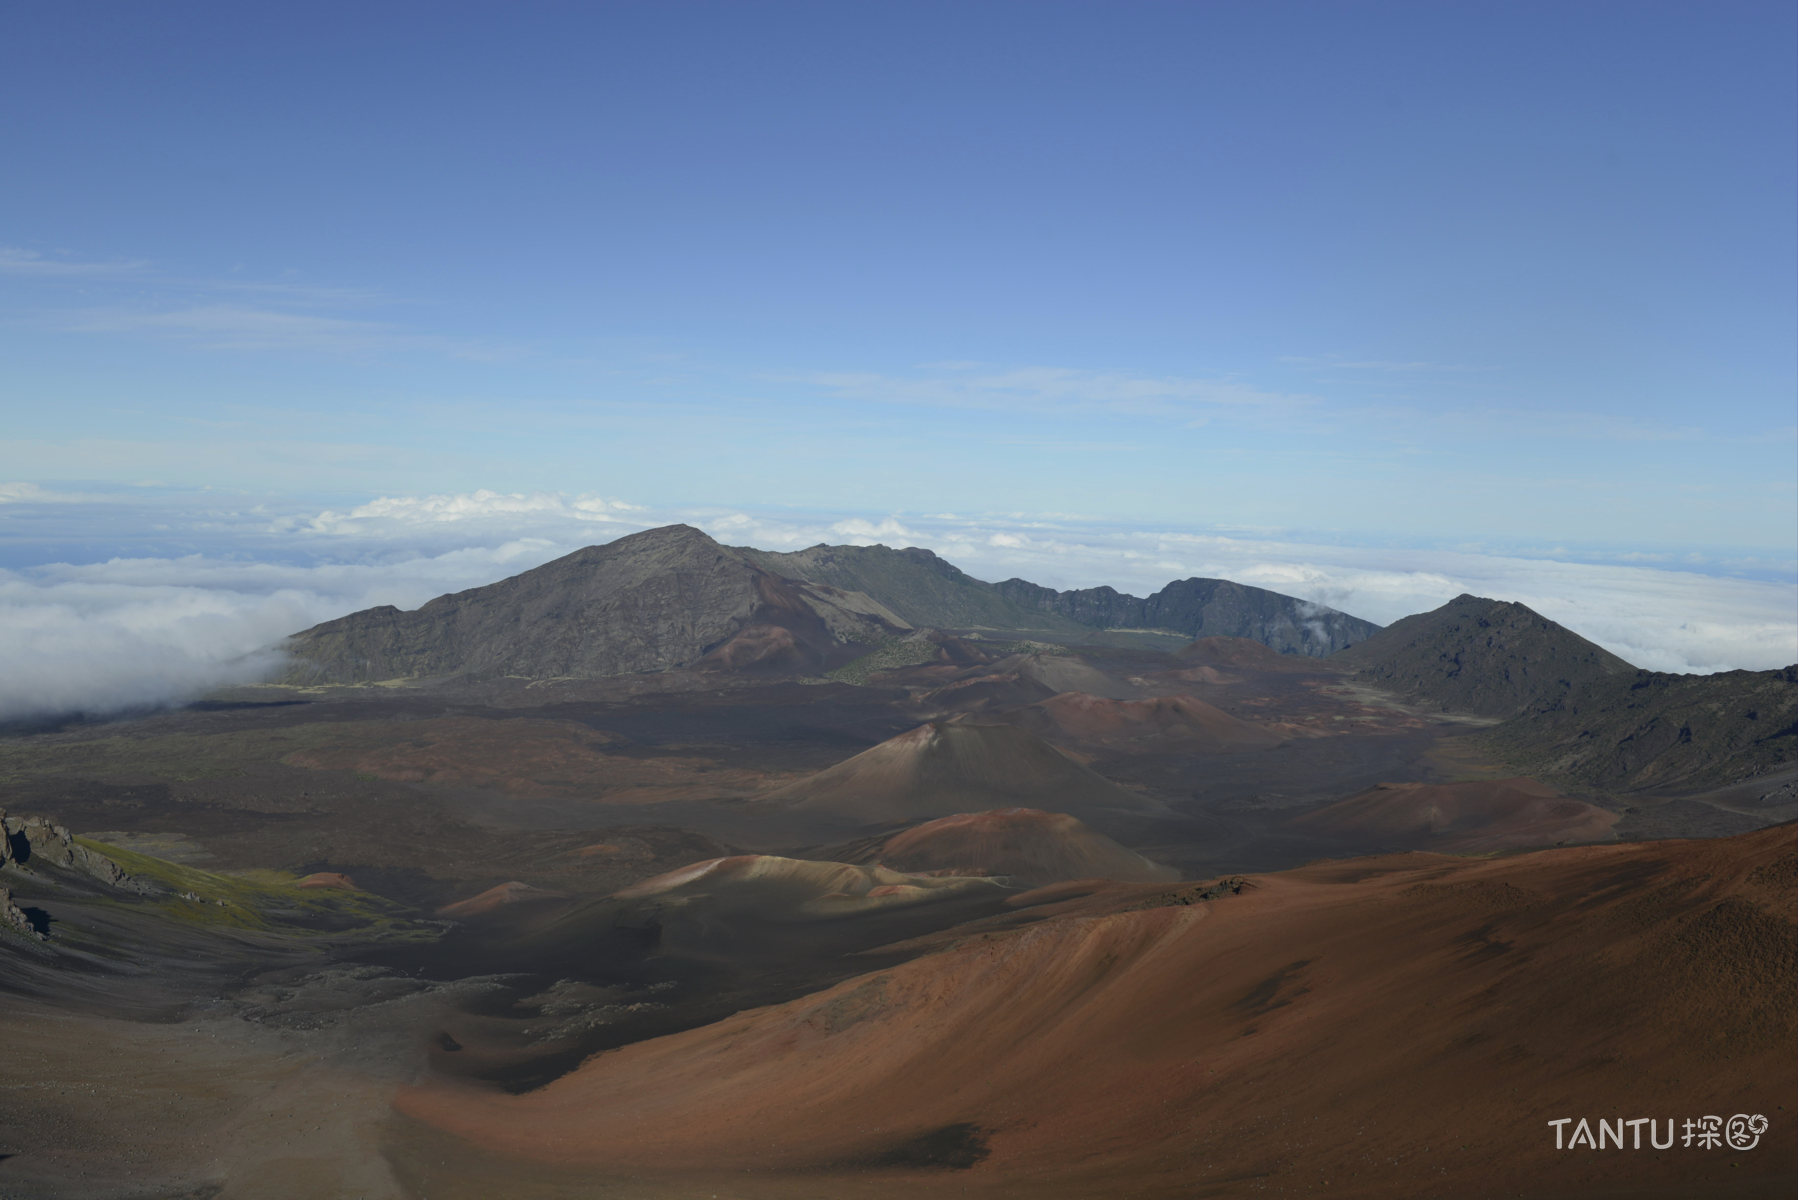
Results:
664 598
927 591
1202 608
1649 729
1480 656
672 598
1577 714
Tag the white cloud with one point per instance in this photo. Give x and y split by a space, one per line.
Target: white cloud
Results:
123 634
397 514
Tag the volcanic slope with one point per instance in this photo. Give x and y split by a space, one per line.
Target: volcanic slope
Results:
1026 844
1413 1021
773 888
1166 723
941 768
1654 730
1474 655
1461 818
921 587
656 600
1066 673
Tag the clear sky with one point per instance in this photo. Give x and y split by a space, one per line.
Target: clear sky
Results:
1488 277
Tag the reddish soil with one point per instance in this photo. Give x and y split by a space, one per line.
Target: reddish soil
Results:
1466 818
329 879
764 646
773 888
1398 1026
498 897
1031 846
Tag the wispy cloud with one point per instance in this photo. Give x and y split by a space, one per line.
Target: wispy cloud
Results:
244 328
31 493
1330 363
1482 423
1040 390
14 261
232 313
400 515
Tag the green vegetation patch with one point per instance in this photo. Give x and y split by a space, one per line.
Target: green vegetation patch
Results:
890 656
264 901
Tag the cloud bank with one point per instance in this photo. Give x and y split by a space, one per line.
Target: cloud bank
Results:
143 630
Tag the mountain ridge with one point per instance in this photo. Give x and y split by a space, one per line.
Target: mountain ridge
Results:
664 598
674 598
927 590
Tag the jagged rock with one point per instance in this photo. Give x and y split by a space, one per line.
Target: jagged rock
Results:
37 839
14 917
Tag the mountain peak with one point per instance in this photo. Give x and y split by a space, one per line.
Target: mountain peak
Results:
1474 654
651 601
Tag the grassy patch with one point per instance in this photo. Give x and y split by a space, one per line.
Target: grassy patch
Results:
890 656
264 901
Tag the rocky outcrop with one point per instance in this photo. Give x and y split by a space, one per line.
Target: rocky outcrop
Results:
654 601
40 841
13 917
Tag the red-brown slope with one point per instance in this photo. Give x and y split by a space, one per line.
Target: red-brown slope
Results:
1379 1027
1498 814
941 768
771 888
493 898
1031 846
1163 723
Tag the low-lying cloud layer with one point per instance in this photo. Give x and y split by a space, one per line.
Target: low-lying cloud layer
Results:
135 631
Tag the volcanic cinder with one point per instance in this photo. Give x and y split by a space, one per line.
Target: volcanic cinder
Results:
1405 1013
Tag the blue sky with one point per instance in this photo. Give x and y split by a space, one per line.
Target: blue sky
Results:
1474 278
